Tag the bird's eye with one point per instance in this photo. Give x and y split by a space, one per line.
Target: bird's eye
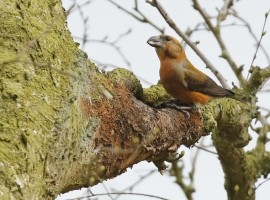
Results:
168 38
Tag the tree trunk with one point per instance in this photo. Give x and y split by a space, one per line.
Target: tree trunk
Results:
65 125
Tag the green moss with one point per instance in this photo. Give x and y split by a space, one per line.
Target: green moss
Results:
155 95
34 57
208 118
228 114
126 77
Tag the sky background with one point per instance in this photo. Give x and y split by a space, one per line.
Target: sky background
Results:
105 20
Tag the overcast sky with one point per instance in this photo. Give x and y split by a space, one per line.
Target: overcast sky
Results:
104 19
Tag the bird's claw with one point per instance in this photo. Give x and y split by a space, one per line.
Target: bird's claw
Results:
174 157
185 108
168 157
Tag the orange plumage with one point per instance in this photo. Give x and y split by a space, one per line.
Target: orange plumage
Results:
179 77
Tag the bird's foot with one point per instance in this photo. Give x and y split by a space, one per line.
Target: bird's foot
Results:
168 157
183 107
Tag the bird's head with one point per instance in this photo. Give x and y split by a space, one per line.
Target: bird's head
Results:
166 47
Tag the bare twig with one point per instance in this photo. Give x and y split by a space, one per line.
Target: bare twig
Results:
104 186
259 186
205 149
265 109
259 43
111 44
131 187
141 17
262 183
199 27
121 193
216 32
73 8
104 66
122 35
224 11
85 22
247 25
177 171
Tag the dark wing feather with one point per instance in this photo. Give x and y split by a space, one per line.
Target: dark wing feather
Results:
208 86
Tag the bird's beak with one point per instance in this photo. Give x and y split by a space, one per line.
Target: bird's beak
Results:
154 41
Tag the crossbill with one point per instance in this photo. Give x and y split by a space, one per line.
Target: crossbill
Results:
180 78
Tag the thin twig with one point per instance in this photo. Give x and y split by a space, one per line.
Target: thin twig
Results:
259 43
177 171
85 23
216 32
121 193
73 8
122 36
262 183
104 66
205 149
251 197
111 44
223 13
141 17
104 186
131 187
247 25
193 164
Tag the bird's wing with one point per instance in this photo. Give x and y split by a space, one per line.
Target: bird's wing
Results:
199 82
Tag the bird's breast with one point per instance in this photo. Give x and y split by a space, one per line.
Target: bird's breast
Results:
173 73
172 77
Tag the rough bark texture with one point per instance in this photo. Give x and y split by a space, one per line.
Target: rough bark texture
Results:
34 97
65 125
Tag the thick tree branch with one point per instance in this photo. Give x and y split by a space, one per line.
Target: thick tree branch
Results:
259 76
123 131
229 138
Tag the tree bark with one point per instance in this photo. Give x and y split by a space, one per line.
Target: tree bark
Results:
65 125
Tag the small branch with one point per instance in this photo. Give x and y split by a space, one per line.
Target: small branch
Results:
121 193
224 11
141 17
205 149
111 44
265 109
72 8
177 171
262 133
268 179
104 66
258 78
229 145
259 43
122 36
103 184
84 20
131 187
216 32
171 23
247 25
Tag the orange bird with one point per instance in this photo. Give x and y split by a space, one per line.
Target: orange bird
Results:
180 78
